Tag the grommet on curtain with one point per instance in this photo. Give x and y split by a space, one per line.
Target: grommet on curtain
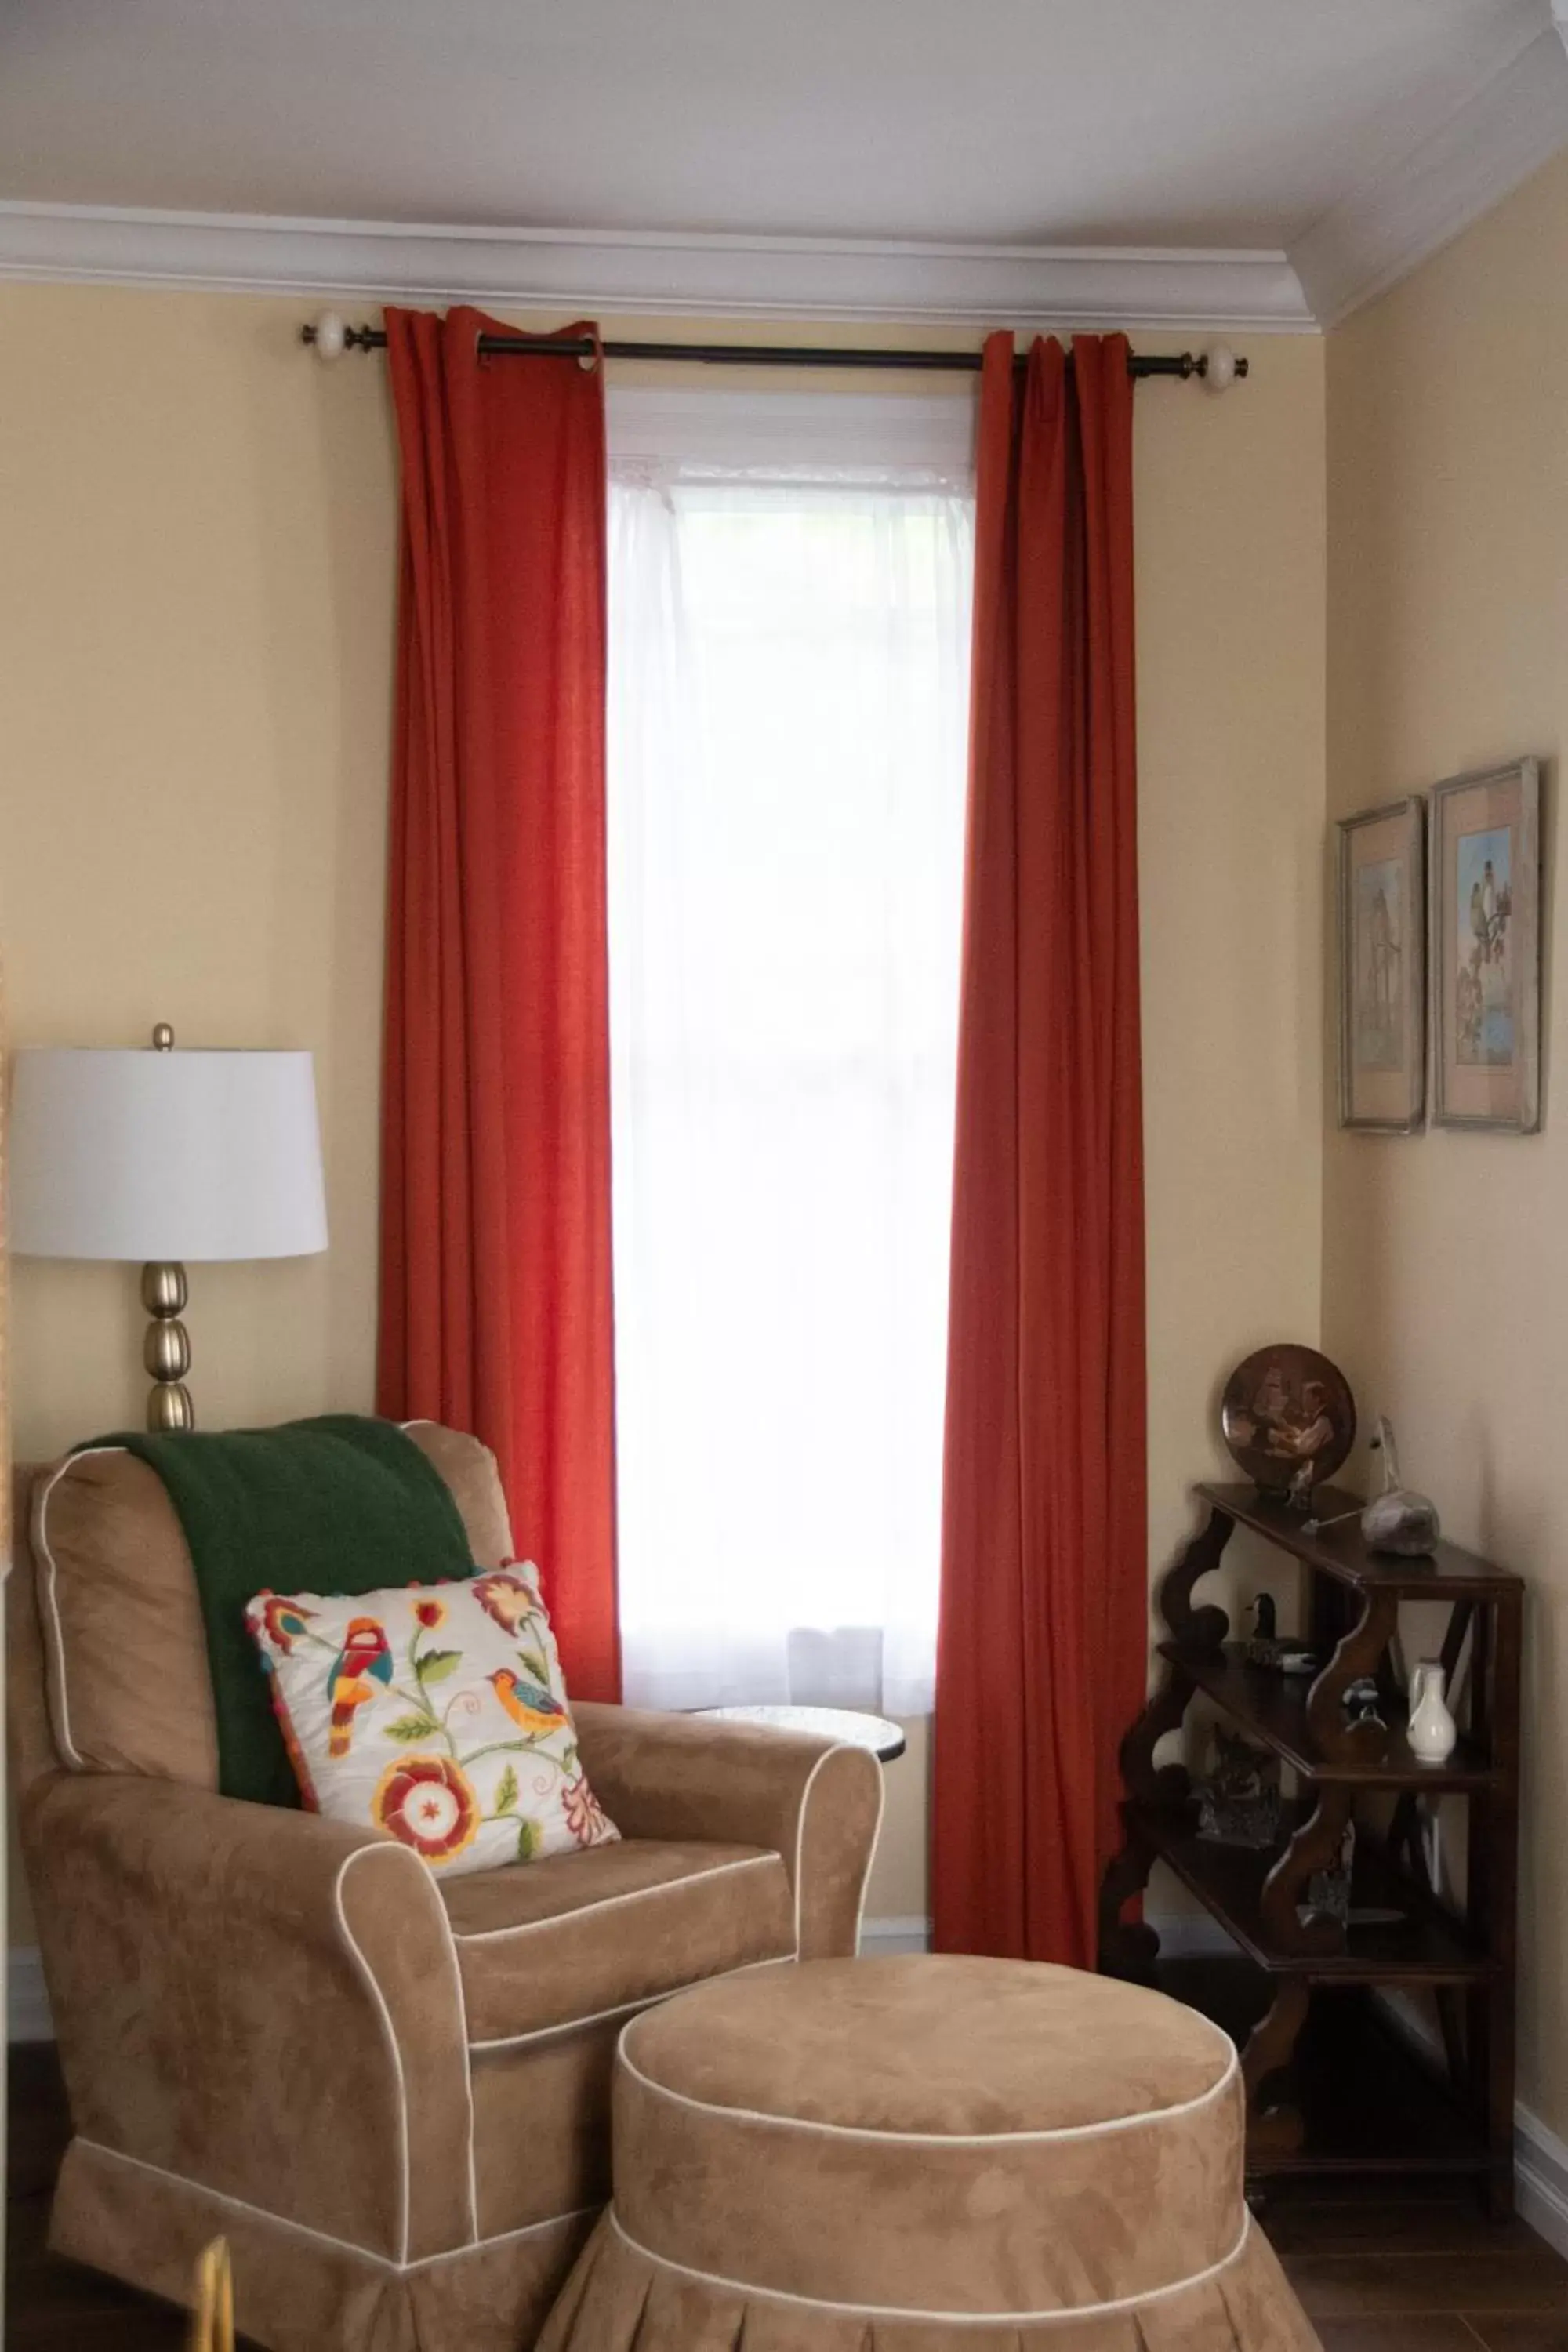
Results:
589 361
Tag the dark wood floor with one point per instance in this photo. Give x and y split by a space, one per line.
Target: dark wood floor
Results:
1378 2274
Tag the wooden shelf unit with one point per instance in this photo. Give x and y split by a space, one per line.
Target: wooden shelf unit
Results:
1464 1959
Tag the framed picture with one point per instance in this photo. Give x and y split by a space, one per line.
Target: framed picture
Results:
1486 949
1383 969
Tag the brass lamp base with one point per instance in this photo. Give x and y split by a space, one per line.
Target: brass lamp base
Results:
166 1349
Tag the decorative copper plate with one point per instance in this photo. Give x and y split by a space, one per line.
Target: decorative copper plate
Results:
1289 1418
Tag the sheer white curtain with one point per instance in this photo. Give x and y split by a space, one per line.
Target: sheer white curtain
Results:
789 655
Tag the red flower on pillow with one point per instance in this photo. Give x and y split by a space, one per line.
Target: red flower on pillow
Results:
507 1598
283 1620
427 1802
430 1613
585 1817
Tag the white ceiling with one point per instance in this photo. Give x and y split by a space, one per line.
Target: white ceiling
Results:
1010 123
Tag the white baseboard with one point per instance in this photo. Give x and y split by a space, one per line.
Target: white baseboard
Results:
27 2017
1188 1935
1540 2178
880 1937
1540 2158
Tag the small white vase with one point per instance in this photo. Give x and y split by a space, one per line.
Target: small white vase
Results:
1433 1731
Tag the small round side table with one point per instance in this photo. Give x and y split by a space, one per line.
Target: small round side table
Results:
875 1732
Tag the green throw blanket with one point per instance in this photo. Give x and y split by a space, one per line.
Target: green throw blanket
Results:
338 1505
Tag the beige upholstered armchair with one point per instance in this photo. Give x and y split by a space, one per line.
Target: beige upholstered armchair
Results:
387 2092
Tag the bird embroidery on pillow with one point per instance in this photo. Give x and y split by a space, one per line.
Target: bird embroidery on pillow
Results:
533 1708
363 1661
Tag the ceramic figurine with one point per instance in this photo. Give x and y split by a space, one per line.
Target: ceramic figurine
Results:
1432 1732
1398 1520
1264 1646
1362 1702
1261 1647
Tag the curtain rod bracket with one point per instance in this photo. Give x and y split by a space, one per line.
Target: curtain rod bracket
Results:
1216 367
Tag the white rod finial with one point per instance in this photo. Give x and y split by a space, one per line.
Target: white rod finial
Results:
1219 367
329 335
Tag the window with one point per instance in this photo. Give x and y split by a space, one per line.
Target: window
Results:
789 655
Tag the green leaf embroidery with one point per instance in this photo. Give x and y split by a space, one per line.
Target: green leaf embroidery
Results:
528 1841
437 1664
536 1665
412 1727
505 1795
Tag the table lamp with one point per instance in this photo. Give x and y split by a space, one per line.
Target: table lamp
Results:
162 1156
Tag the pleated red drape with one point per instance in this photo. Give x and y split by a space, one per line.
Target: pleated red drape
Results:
495 1238
1043 1645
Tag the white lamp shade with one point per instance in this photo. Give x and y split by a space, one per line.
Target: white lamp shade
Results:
153 1156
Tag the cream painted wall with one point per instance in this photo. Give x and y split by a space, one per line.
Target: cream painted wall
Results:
196 585
197 578
1446 1256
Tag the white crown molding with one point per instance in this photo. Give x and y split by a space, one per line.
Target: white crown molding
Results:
1504 130
715 277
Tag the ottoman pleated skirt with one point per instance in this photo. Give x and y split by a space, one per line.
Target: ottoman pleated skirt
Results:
924 2154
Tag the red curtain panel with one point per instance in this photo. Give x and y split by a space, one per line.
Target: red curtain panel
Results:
1043 1644
495 1238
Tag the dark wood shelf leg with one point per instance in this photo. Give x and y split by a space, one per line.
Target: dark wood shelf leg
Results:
1315 1846
1273 2129
1493 1895
1128 1948
1196 1629
1145 1782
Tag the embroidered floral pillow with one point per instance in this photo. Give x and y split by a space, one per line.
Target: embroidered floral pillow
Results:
437 1713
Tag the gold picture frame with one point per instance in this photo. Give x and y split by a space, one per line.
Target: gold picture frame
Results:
1485 917
1383 969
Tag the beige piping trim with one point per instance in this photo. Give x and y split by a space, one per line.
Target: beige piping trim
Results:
60 1711
609 1902
1064 2312
840 1748
628 2008
871 1858
1102 2131
389 2032
463 2045
468 2080
389 2036
324 2237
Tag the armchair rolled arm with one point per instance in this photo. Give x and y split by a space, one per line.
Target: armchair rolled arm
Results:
816 1804
260 2000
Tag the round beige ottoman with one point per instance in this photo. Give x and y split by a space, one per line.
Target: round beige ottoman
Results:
926 2155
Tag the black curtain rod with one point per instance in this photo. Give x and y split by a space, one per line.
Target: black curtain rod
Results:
1185 364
